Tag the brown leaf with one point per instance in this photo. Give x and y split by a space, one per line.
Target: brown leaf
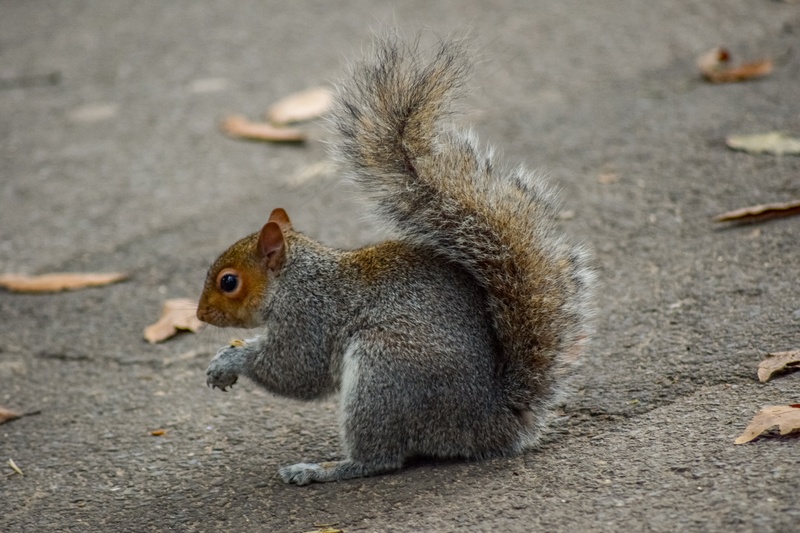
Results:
6 415
158 432
297 107
239 126
786 417
58 281
715 67
607 178
773 142
755 213
778 362
177 314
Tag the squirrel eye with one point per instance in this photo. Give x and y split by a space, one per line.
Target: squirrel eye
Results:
228 281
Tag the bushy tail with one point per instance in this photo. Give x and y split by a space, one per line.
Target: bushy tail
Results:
437 188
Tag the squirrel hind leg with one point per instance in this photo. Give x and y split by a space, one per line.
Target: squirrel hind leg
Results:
305 473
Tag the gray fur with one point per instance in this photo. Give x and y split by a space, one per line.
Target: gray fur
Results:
452 342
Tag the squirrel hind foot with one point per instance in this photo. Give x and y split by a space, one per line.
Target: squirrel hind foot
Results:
305 473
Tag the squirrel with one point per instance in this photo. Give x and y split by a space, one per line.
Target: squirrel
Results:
454 340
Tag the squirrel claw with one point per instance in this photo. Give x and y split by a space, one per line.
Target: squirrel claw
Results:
220 380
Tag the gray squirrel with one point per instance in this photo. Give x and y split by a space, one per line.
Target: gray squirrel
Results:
455 339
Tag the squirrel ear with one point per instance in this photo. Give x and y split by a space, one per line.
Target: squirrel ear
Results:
281 218
272 245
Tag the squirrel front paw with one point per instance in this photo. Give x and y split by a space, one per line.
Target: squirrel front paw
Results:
223 370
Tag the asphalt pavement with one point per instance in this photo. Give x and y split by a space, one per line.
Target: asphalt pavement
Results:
112 159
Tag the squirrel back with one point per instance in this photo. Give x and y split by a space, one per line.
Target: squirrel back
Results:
433 185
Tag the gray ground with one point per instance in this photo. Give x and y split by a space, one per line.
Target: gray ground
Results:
110 159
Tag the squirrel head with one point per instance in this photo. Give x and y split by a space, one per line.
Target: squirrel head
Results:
237 282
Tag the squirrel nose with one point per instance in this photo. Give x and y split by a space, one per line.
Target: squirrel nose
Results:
210 316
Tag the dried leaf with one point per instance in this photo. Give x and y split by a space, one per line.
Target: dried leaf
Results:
58 281
177 314
239 126
93 113
14 467
158 432
715 67
755 213
297 107
7 415
786 417
778 362
773 142
608 178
